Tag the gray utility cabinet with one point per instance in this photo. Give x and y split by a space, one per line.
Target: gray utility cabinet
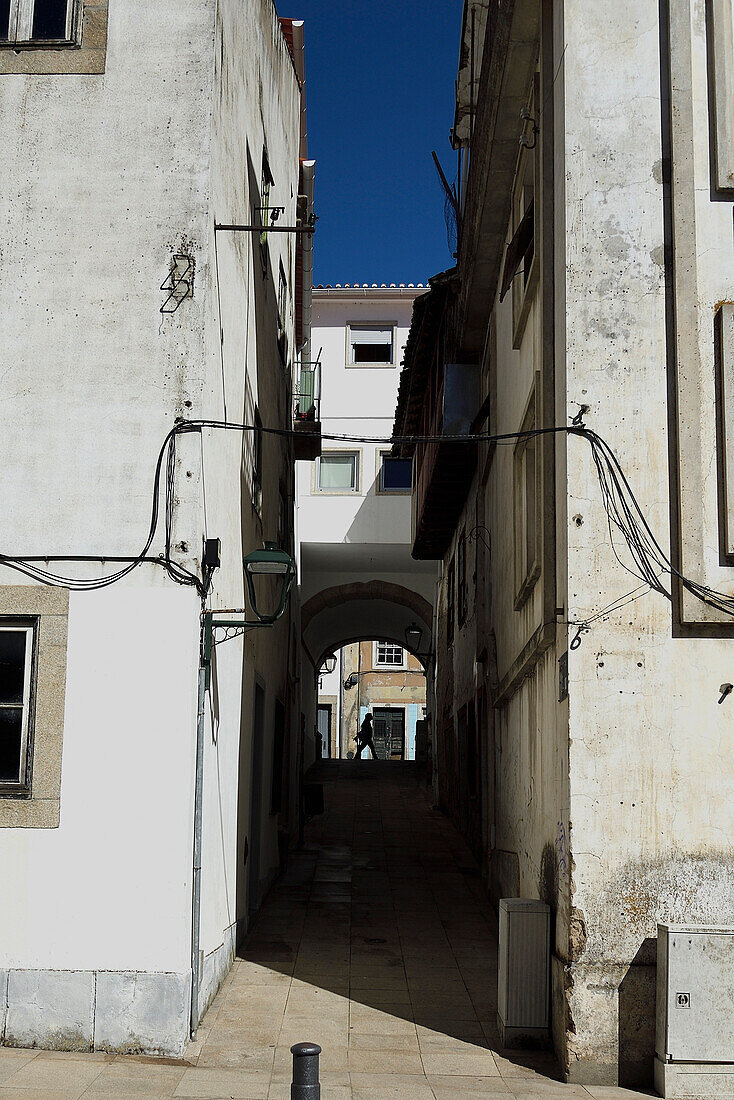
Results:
694 1034
523 992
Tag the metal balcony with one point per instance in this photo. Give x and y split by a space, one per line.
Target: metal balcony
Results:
307 411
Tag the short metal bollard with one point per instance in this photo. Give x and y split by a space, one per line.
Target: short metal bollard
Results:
305 1084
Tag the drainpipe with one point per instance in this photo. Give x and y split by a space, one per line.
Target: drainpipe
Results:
308 172
196 888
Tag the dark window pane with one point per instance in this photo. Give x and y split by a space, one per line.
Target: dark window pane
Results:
11 729
4 20
372 353
12 665
49 19
397 473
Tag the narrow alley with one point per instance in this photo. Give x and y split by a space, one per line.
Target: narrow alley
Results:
378 943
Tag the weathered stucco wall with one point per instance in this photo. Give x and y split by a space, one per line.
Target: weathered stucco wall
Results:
650 749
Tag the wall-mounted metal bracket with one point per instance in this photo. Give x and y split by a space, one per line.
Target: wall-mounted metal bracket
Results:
179 284
526 118
209 625
222 227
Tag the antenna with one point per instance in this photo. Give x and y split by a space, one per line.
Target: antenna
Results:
450 209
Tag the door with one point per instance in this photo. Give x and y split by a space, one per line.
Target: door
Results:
389 732
256 800
323 724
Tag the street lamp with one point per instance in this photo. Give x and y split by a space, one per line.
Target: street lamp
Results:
413 635
269 562
329 663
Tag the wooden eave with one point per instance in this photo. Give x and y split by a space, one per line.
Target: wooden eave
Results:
419 355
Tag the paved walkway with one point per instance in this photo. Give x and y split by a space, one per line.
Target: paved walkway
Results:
378 943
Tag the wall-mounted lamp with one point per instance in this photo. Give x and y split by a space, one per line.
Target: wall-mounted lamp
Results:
269 562
329 663
413 635
351 681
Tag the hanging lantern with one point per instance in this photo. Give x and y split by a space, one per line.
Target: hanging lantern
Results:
273 563
413 635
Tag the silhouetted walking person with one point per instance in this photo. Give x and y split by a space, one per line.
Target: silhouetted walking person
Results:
364 738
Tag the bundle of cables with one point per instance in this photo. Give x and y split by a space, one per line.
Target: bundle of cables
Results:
650 563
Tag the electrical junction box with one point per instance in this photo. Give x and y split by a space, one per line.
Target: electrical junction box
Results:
523 993
694 1033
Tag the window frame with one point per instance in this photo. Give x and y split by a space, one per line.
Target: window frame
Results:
372 326
340 452
266 186
388 666
48 608
523 288
257 464
282 307
461 586
86 55
450 601
380 482
29 627
527 553
21 16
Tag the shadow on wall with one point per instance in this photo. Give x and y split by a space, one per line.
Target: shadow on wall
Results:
637 1018
382 517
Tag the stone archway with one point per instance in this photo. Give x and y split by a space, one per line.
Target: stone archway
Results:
362 610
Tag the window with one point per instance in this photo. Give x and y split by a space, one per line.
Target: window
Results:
276 782
520 271
33 633
282 315
285 519
461 580
38 21
370 345
257 465
16 668
450 604
266 184
338 472
396 474
387 655
527 566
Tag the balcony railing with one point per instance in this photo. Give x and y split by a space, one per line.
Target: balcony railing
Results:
307 410
307 396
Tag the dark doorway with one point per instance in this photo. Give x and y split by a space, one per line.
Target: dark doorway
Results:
389 733
256 801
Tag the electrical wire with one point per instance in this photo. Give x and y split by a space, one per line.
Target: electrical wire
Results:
624 515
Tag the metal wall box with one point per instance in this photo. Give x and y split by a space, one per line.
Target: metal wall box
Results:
694 1034
523 992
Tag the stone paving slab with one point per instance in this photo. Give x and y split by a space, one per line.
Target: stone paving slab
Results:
378 943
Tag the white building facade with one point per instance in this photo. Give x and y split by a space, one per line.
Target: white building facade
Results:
128 131
358 579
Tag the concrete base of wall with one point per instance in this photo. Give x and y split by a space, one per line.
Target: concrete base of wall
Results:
693 1081
120 1012
217 966
611 1008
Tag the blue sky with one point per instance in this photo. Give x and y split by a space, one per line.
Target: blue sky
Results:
379 86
